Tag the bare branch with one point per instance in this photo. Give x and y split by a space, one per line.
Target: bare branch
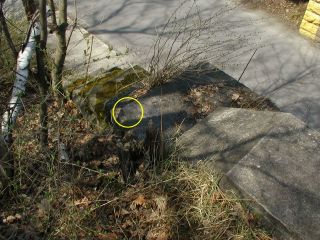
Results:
75 21
6 31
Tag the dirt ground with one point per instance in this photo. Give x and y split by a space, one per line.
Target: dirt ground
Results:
85 197
290 12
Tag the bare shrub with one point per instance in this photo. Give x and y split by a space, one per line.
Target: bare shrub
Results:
188 38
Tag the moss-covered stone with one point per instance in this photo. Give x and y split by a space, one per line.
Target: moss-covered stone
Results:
91 94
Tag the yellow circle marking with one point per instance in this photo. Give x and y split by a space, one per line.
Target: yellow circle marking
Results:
127 98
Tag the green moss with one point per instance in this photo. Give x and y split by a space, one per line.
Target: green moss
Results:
89 82
75 84
94 93
115 73
109 89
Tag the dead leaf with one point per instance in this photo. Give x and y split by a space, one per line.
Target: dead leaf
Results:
235 96
84 201
216 196
205 108
138 202
197 93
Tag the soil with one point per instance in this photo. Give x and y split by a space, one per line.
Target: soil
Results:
85 197
90 184
290 12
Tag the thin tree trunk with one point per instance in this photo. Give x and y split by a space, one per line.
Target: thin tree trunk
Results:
6 161
6 32
22 73
41 74
61 49
29 7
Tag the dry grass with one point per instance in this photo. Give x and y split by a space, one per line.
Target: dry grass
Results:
202 210
85 197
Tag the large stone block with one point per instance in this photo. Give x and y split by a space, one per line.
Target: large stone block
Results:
169 108
281 173
271 157
310 27
312 18
314 6
228 134
310 23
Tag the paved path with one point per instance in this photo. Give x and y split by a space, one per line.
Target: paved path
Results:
285 67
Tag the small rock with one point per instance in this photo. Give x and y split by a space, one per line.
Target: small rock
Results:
113 53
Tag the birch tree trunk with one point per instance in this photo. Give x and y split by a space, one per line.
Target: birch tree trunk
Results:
22 72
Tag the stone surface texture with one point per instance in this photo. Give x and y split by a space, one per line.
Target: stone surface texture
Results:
281 173
166 105
270 157
285 67
228 134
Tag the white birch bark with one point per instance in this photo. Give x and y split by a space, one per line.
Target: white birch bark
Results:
22 72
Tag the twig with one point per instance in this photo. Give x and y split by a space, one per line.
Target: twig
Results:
87 70
75 22
7 33
247 65
32 21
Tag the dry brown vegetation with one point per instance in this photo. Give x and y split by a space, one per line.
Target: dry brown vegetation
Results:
84 197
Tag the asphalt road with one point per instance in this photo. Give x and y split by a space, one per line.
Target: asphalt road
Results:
285 67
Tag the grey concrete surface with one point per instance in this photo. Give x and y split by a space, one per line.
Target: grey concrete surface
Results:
285 67
281 173
167 105
270 157
227 135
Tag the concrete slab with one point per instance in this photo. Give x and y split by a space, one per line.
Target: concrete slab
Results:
281 173
168 107
284 69
228 134
270 157
88 56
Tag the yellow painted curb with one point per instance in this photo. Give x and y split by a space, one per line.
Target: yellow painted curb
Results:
310 25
